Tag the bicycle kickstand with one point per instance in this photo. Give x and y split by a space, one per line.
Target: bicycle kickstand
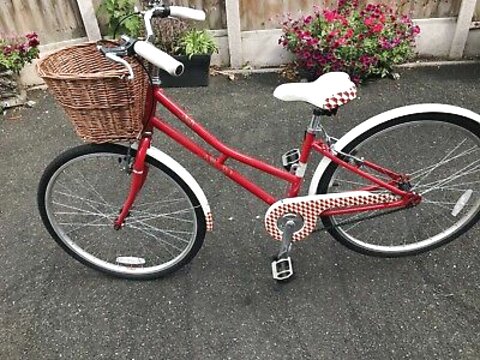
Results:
282 268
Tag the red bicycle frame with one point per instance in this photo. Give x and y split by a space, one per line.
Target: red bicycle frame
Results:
157 95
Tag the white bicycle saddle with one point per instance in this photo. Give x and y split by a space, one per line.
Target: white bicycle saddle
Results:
328 92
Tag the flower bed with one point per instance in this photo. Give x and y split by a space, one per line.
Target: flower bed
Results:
15 53
360 40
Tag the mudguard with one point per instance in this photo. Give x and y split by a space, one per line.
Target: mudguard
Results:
173 165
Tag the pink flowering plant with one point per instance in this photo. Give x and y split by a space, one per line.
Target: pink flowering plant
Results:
360 40
17 51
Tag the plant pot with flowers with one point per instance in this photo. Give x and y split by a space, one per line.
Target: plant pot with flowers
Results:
362 40
15 52
194 50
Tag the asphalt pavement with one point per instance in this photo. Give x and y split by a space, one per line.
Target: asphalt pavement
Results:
224 304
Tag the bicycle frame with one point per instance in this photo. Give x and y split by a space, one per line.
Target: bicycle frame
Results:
157 95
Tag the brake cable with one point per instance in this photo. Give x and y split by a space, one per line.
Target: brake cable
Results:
124 18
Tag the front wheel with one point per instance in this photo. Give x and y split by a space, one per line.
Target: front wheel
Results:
441 154
82 192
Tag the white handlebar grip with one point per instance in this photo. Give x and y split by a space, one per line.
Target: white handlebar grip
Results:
187 13
158 58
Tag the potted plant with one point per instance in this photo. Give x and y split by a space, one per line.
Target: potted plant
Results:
362 40
174 36
15 52
194 50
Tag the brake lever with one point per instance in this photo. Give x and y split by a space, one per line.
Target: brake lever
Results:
118 59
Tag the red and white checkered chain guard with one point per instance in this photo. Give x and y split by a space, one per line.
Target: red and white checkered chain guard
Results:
310 208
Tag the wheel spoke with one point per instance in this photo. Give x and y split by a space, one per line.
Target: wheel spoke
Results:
85 225
162 241
169 215
90 186
425 170
439 163
165 232
449 179
86 212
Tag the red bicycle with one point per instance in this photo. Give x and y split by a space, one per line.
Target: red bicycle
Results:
401 183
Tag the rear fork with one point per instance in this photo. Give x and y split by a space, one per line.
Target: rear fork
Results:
138 177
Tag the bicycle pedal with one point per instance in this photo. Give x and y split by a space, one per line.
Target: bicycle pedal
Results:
290 158
282 269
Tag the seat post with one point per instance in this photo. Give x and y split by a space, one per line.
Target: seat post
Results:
315 124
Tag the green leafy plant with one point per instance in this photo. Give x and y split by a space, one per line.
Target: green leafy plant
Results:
360 40
117 14
17 51
197 42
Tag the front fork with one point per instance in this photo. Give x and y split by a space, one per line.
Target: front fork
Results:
138 177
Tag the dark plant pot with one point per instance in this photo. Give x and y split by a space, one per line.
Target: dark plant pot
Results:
196 72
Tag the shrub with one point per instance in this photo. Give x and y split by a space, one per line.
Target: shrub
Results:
119 21
362 41
17 51
168 34
197 42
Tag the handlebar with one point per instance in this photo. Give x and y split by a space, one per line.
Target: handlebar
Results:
158 58
145 48
173 11
187 13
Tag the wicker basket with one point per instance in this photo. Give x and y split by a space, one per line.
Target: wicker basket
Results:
101 103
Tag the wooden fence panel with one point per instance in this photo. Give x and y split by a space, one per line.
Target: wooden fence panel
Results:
476 14
53 20
215 10
256 15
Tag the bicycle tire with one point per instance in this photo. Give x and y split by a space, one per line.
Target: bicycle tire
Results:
427 133
78 206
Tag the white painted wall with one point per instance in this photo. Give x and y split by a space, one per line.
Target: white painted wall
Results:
473 43
261 48
435 36
223 56
29 73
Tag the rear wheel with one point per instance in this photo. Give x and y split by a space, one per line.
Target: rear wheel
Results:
82 192
441 153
